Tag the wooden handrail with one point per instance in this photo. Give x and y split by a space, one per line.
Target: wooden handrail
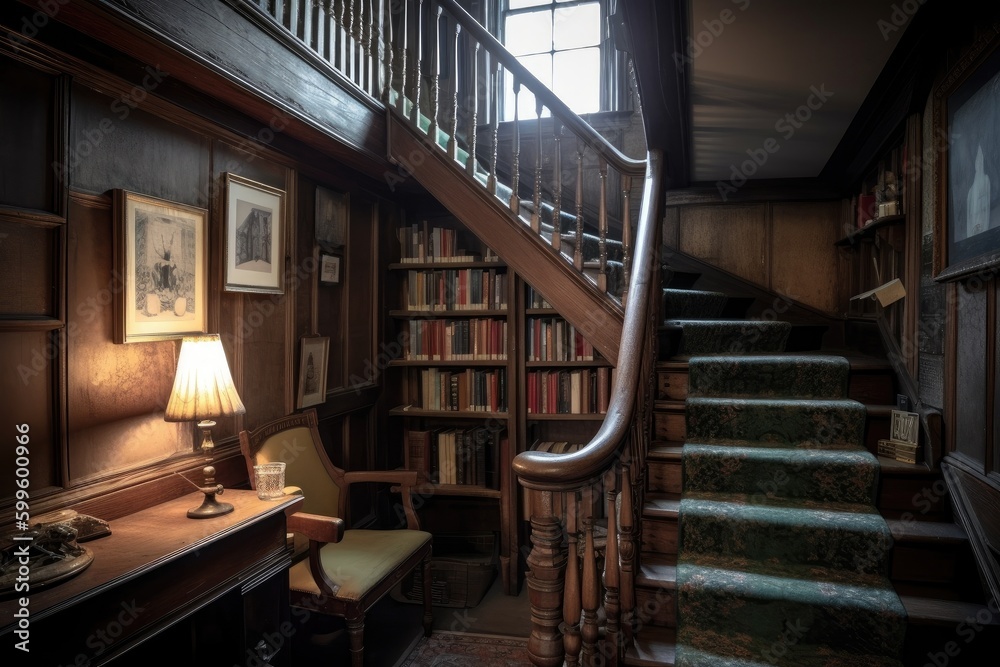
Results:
566 116
545 471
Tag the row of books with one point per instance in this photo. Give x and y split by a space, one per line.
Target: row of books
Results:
536 300
473 339
467 456
468 390
579 391
456 289
421 243
555 339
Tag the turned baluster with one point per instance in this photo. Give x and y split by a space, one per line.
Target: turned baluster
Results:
547 565
435 65
612 606
339 8
626 232
401 38
626 557
279 11
470 164
388 49
572 595
371 36
515 200
578 241
320 13
557 185
453 130
357 33
536 208
491 183
602 226
589 629
293 18
417 48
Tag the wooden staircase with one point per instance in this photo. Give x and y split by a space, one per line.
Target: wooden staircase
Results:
932 566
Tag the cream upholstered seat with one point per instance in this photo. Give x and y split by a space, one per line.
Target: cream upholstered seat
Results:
346 570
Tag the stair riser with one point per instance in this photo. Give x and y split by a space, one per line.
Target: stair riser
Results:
796 627
665 477
659 536
913 498
692 304
792 424
778 377
669 426
737 337
874 388
762 475
657 607
671 385
821 546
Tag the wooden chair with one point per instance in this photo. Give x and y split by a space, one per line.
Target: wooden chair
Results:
347 570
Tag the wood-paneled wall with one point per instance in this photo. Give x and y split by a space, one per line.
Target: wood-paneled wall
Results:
786 247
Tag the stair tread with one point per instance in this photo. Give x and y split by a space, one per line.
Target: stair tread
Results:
931 611
762 499
661 505
830 659
665 451
653 647
938 532
776 401
657 570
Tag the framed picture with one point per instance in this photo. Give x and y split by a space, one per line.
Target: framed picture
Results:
329 269
312 370
967 115
254 232
331 218
161 254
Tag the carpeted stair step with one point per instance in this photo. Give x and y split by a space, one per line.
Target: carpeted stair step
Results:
743 613
780 376
688 657
820 423
838 475
851 541
688 338
693 304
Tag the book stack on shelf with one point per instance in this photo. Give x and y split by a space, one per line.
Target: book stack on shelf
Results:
565 391
456 289
464 390
536 300
476 339
555 339
882 192
457 456
420 243
902 444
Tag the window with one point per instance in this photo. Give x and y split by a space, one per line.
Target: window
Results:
560 42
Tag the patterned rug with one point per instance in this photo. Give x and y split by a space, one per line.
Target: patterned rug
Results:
467 649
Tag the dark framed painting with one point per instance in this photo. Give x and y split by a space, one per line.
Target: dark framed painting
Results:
313 358
255 230
331 218
161 254
967 117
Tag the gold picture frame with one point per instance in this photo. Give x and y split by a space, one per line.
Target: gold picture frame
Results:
313 359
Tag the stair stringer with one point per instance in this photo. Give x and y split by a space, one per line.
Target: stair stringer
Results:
595 314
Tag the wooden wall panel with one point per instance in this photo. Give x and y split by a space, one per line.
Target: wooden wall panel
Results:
116 393
733 238
970 375
27 133
362 285
803 258
27 270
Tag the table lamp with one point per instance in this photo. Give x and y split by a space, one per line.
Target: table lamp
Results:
203 389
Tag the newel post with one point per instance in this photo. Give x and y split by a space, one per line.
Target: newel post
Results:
547 568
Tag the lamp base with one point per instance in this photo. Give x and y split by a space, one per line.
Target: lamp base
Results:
210 506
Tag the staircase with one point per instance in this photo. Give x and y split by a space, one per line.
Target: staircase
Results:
722 510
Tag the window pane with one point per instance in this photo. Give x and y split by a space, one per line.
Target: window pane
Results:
528 33
577 79
518 4
577 26
541 67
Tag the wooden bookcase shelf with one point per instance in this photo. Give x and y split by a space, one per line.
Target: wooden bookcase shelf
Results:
404 411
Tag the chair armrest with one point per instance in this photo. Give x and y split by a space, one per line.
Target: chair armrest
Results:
403 481
316 527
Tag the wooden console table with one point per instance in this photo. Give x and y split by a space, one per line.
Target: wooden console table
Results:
185 591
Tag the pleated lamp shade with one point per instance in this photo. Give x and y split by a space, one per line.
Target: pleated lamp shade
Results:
203 386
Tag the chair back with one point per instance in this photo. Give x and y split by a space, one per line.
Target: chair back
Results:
295 440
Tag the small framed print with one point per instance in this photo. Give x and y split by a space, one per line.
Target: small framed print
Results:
312 370
254 233
331 218
329 269
161 254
